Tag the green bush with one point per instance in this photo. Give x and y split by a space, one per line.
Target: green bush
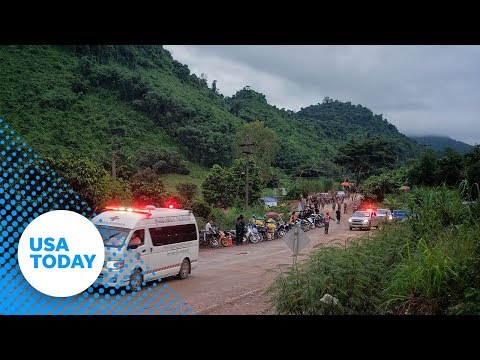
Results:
201 209
427 265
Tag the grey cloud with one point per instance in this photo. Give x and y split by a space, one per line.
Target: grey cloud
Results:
419 89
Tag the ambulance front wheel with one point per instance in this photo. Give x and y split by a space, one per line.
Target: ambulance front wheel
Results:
136 280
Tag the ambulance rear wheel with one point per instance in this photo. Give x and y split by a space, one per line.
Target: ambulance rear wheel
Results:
184 269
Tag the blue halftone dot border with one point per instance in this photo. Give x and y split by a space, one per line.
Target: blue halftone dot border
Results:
29 188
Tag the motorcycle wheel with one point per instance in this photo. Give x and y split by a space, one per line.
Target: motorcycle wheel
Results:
214 242
254 238
281 233
224 242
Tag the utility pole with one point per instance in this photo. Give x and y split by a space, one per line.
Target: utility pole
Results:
247 151
114 165
246 182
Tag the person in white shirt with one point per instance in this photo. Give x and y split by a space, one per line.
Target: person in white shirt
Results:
209 227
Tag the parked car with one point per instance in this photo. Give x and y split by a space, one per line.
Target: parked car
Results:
363 219
403 215
385 215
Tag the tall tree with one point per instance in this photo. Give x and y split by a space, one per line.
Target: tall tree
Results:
425 171
472 165
217 188
147 188
366 158
451 167
262 142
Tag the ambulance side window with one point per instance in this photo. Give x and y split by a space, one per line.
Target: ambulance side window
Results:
173 234
158 236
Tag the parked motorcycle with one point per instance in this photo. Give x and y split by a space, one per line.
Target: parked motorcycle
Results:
251 235
318 219
281 230
271 227
223 237
311 221
234 237
212 240
304 224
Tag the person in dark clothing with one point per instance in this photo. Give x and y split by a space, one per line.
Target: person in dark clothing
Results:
338 215
239 230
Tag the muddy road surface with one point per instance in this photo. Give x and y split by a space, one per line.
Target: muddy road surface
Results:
230 280
233 280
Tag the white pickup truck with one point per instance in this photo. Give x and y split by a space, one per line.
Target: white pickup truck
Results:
363 219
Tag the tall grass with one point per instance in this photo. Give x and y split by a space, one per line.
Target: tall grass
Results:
427 265
353 275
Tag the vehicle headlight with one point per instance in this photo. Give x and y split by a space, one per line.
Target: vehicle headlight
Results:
390 218
365 221
116 264
350 220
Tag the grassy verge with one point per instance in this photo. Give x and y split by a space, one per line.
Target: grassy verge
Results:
424 266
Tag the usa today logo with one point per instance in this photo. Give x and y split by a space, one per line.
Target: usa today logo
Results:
61 253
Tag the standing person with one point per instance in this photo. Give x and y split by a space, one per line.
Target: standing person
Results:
291 220
302 206
333 204
239 230
345 207
338 215
326 221
299 210
209 230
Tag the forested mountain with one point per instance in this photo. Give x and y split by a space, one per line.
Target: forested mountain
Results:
341 122
439 143
137 100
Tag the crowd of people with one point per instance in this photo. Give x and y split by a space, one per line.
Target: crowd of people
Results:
317 204
312 204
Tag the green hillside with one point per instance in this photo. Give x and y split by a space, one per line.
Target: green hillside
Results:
341 122
439 143
303 150
88 101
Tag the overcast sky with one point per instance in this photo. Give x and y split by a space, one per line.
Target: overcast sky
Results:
422 90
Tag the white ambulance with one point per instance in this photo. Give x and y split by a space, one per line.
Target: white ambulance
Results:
142 245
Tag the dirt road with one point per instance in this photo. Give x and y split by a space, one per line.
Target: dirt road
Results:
233 280
227 281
